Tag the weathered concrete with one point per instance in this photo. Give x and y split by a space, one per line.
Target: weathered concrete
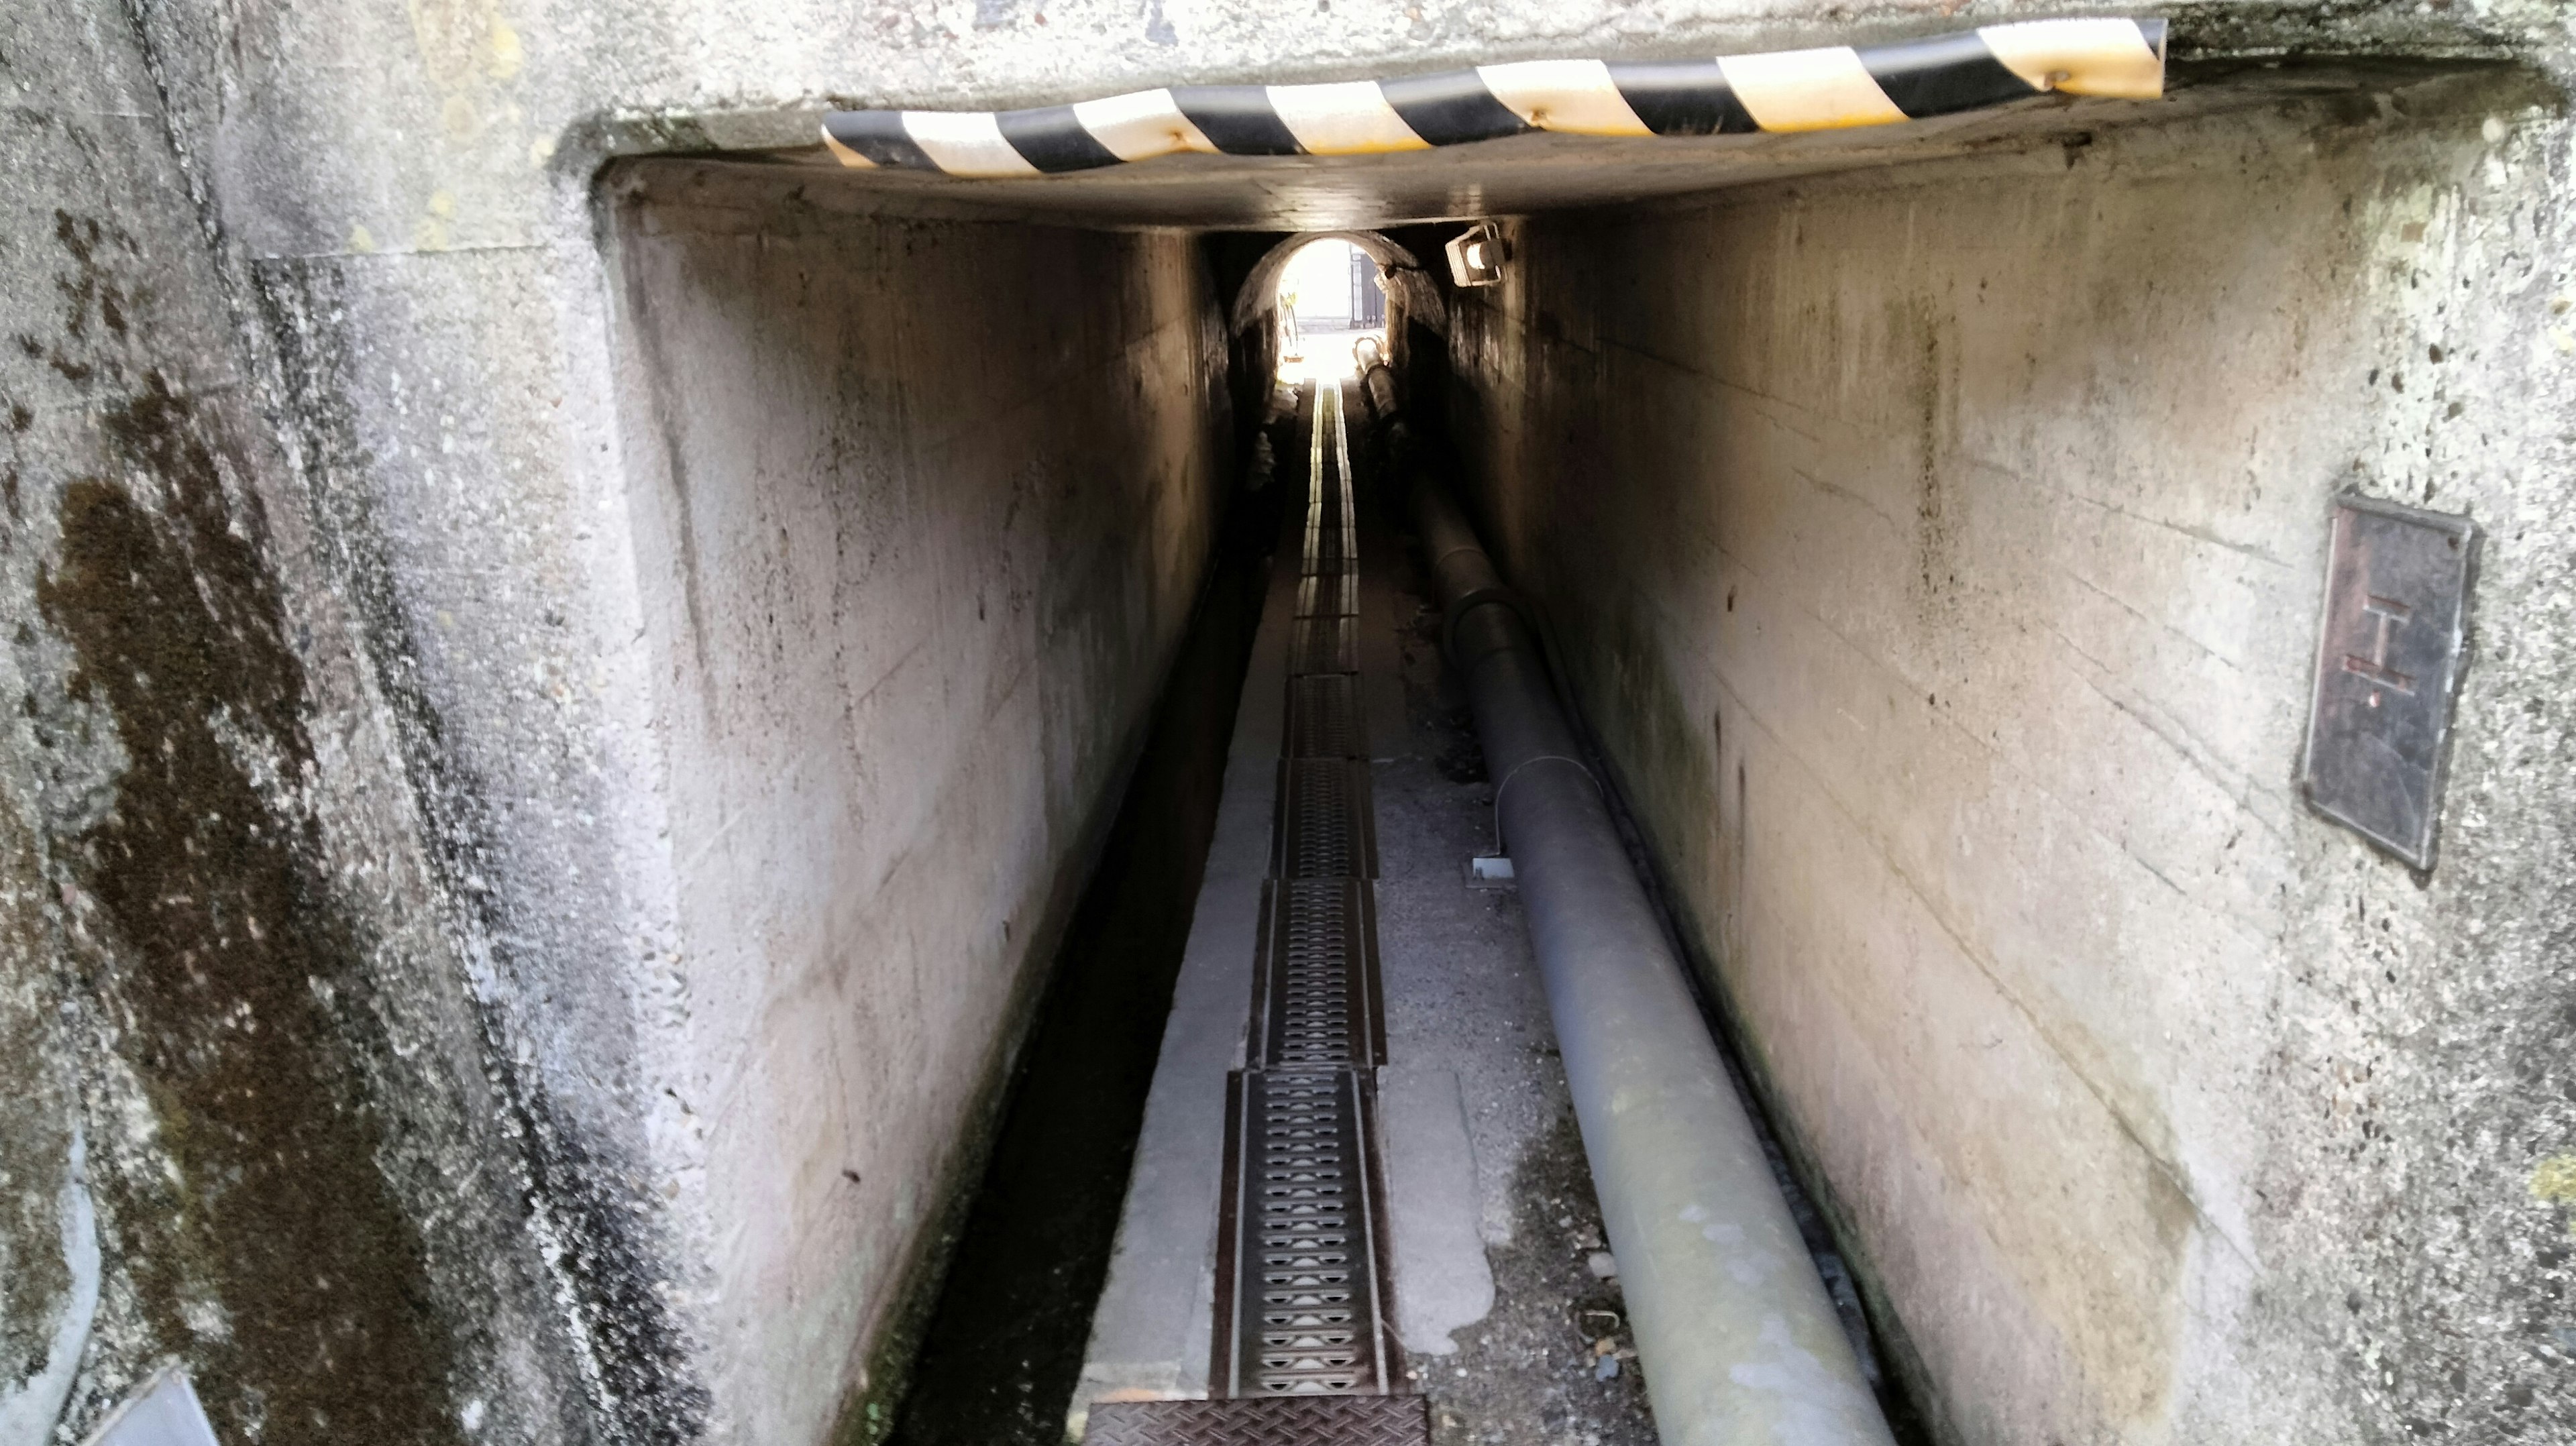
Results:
497 958
255 1122
920 510
339 487
1937 556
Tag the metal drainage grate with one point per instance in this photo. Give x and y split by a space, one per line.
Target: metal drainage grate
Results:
1300 1347
1273 1421
1324 717
1344 567
1324 645
1319 980
1330 549
1325 830
1333 596
1306 1309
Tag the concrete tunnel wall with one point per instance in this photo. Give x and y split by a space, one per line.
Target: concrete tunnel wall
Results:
1938 554
921 510
526 769
262 1117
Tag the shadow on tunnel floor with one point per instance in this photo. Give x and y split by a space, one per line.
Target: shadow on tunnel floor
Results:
1004 1345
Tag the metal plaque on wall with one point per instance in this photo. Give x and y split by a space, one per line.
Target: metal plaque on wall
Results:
2397 592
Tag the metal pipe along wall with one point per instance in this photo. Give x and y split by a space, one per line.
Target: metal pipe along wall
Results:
1739 1342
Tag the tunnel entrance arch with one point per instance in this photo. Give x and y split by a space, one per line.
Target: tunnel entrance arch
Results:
1412 300
1411 295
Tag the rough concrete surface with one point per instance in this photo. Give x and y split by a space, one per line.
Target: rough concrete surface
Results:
255 1123
360 859
920 511
1969 528
1434 1213
372 794
1152 1331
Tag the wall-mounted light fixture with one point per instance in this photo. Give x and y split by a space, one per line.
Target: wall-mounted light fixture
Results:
1476 255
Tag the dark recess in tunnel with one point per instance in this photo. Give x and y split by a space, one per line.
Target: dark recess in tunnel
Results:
1003 1346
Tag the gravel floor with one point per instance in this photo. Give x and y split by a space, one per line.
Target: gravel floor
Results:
1463 995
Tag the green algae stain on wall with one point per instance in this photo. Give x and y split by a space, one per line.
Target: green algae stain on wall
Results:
272 1255
2554 1182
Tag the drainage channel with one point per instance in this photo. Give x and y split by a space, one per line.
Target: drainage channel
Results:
1359 1212
1302 1311
1002 1345
1300 1346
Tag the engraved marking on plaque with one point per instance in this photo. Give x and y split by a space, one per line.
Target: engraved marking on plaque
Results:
2389 612
2395 626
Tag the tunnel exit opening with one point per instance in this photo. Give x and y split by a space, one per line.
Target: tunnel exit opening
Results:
1328 301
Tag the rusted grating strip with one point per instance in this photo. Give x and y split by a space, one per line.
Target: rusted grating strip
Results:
1329 567
1334 596
1300 1347
1319 1004
1330 504
1263 1421
1324 645
1325 830
1324 717
1330 549
1305 1310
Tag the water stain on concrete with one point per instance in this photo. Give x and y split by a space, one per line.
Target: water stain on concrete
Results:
607 1278
35 1138
1530 1373
272 1255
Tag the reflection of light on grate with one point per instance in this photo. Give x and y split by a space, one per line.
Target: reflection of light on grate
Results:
1331 542
1324 821
1329 508
1324 717
1314 1318
1331 596
1319 981
1328 550
1324 645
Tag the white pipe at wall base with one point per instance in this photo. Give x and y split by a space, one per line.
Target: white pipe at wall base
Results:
1740 1345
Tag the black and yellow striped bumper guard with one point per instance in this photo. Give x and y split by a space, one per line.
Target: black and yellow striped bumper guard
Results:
1795 90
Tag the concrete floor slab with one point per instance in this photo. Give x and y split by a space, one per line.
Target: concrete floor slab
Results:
1150 1336
1441 1279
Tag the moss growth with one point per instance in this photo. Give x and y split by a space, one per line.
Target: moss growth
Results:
35 1280
273 1256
